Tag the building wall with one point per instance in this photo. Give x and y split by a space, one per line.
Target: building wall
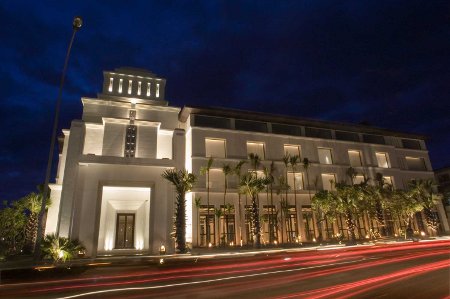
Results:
93 159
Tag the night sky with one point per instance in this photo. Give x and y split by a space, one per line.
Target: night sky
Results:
386 63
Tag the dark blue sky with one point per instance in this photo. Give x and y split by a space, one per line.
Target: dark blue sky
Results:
383 62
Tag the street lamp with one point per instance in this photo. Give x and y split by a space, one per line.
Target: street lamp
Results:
76 25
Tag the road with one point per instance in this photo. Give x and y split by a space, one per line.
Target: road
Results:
408 270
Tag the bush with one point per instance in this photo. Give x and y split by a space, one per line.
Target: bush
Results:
60 249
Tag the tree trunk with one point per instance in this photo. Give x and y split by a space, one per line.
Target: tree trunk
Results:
256 224
180 223
350 227
431 219
380 217
281 223
31 233
240 218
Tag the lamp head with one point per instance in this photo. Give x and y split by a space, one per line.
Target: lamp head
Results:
77 23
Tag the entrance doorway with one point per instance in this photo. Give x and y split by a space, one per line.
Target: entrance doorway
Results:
125 231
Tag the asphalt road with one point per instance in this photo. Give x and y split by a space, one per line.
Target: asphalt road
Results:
410 270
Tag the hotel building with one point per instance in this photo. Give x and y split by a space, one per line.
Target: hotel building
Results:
110 195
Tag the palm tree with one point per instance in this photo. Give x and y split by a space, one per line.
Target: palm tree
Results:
219 213
282 186
345 200
306 165
237 172
379 194
255 161
226 169
403 205
422 191
198 202
251 185
273 226
183 182
293 160
205 170
228 210
286 159
31 204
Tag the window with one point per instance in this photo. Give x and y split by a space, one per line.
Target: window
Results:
355 158
139 88
414 163
130 141
256 148
377 139
211 122
325 156
157 90
258 173
215 148
298 180
358 179
286 129
292 150
347 136
319 133
247 125
382 159
411 143
328 181
388 180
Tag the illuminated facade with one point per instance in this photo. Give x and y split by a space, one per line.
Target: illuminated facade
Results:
110 195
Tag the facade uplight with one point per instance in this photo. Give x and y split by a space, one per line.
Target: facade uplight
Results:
120 85
157 90
111 82
148 89
130 85
139 88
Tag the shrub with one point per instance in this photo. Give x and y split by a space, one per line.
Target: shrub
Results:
60 248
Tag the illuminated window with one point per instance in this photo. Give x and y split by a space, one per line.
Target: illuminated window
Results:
130 86
215 148
157 90
382 159
139 88
325 156
358 179
355 158
292 150
111 82
415 163
328 181
120 85
256 148
130 141
298 180
148 89
388 180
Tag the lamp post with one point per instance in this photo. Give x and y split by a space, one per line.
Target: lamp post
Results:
76 25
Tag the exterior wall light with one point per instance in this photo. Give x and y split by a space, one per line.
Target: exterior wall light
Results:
162 250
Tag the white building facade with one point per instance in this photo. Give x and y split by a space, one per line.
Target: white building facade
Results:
110 195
